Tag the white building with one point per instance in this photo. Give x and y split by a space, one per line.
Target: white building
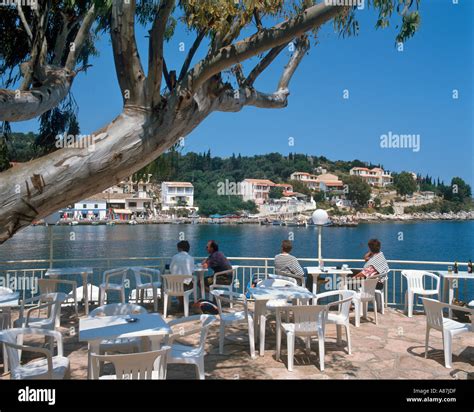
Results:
374 177
177 195
93 208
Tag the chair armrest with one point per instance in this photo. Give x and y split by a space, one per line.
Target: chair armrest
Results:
46 352
39 307
325 295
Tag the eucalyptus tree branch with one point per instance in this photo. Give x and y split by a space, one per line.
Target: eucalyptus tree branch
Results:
264 63
192 52
155 52
24 22
263 40
128 66
80 38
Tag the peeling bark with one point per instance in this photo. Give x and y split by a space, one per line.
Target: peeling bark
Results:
18 105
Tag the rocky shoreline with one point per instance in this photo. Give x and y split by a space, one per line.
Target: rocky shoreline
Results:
421 216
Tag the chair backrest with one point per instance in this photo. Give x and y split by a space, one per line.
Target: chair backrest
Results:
224 296
308 319
205 323
115 273
139 271
415 278
434 313
287 278
275 283
344 300
174 284
115 309
367 289
135 365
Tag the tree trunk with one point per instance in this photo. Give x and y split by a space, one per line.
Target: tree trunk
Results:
40 187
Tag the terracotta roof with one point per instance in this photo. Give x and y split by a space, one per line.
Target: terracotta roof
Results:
260 181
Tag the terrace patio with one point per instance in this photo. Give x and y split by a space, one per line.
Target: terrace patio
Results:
393 349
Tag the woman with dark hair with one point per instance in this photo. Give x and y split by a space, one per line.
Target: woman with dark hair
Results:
375 263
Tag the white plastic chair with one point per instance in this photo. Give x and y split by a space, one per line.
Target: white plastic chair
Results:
51 286
341 317
119 345
185 354
49 303
380 293
50 367
448 327
364 296
309 321
107 285
415 287
229 287
143 365
173 285
234 317
143 286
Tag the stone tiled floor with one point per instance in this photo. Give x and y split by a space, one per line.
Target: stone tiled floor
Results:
393 349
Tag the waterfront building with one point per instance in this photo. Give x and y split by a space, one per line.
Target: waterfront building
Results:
92 208
177 195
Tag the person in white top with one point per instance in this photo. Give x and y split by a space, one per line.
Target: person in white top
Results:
182 263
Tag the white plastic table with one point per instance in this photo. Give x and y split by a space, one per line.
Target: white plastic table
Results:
83 271
315 272
96 329
449 282
263 294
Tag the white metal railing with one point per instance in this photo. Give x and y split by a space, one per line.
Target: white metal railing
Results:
22 274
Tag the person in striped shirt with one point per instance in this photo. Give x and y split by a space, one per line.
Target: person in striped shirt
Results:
288 265
375 263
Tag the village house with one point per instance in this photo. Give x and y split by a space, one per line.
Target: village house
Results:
177 195
374 177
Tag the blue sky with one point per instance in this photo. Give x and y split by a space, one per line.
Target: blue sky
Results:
407 92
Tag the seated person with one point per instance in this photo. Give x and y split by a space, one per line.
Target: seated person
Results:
218 263
288 265
375 263
183 263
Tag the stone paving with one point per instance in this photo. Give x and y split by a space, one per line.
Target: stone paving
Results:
393 349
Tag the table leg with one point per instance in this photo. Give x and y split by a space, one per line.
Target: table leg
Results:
203 290
93 348
85 292
450 296
315 284
155 343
